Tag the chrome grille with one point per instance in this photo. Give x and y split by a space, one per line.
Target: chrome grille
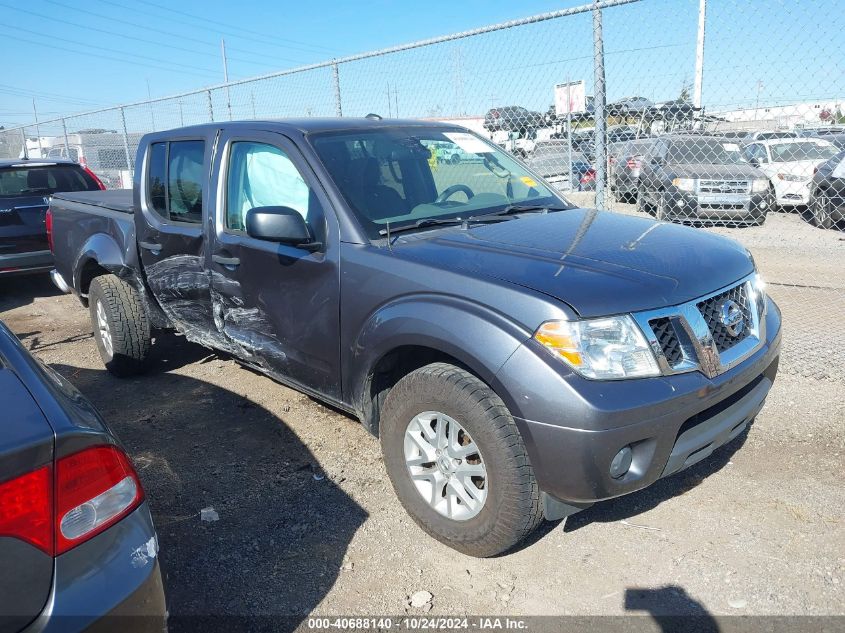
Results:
668 340
692 336
711 309
724 186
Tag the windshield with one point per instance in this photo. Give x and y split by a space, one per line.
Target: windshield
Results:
44 180
704 152
802 150
402 175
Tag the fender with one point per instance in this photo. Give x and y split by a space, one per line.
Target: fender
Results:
103 249
478 337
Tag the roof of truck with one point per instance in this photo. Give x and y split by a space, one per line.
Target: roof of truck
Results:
327 124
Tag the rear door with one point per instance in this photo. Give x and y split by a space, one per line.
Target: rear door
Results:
171 202
277 304
25 189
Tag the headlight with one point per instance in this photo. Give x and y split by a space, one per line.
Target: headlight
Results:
684 184
759 185
792 178
604 349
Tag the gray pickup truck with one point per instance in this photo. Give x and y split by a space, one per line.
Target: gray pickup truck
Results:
517 356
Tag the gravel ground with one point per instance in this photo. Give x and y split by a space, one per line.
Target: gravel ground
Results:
308 523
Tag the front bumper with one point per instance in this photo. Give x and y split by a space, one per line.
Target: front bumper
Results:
792 194
32 262
110 583
573 427
683 205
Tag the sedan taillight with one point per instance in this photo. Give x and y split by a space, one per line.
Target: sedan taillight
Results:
95 488
57 509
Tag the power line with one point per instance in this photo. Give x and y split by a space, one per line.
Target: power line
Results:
271 37
98 56
158 31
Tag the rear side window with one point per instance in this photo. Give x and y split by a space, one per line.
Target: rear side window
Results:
174 180
44 181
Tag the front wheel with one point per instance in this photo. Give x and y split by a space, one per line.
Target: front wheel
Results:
457 461
121 328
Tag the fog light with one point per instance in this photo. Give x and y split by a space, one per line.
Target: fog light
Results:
681 203
763 205
621 463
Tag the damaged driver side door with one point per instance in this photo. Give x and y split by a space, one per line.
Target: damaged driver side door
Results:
276 303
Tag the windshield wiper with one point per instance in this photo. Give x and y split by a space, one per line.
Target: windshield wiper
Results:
426 222
419 224
514 209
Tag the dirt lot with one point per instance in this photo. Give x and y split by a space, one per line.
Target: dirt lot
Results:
308 522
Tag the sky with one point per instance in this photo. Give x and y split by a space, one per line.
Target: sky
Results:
78 56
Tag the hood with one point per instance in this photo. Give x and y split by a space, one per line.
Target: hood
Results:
716 172
599 263
803 168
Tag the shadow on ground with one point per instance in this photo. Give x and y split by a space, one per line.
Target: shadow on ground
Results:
283 527
672 609
21 290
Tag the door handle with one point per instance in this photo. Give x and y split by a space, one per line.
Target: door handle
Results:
226 261
151 246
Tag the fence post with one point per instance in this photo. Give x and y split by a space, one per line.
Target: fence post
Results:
600 101
67 142
210 106
336 76
24 150
125 139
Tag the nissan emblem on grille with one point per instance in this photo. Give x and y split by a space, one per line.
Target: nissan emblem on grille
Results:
730 315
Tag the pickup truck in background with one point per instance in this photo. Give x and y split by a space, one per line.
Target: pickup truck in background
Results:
25 188
518 357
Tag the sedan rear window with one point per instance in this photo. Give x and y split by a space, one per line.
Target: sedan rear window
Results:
44 180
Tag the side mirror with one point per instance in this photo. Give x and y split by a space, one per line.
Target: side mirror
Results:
280 224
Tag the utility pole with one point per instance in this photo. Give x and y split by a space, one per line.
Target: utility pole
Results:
396 101
226 77
37 130
389 106
699 55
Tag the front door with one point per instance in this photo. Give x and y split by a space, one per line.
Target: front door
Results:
277 303
171 236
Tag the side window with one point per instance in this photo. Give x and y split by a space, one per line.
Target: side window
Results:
157 177
261 175
184 180
174 180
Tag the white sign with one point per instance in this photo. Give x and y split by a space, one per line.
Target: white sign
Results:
469 143
570 97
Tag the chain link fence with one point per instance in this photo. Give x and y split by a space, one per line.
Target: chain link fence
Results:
721 114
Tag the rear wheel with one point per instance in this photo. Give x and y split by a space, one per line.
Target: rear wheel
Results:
121 328
457 461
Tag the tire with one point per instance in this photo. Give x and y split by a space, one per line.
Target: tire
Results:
820 207
510 508
121 327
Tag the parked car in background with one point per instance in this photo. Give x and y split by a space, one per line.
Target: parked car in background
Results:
517 356
699 178
768 135
625 162
512 119
628 106
25 190
831 130
827 192
738 136
788 164
836 139
550 159
77 543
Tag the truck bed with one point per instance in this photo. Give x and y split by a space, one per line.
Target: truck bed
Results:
113 199
93 221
